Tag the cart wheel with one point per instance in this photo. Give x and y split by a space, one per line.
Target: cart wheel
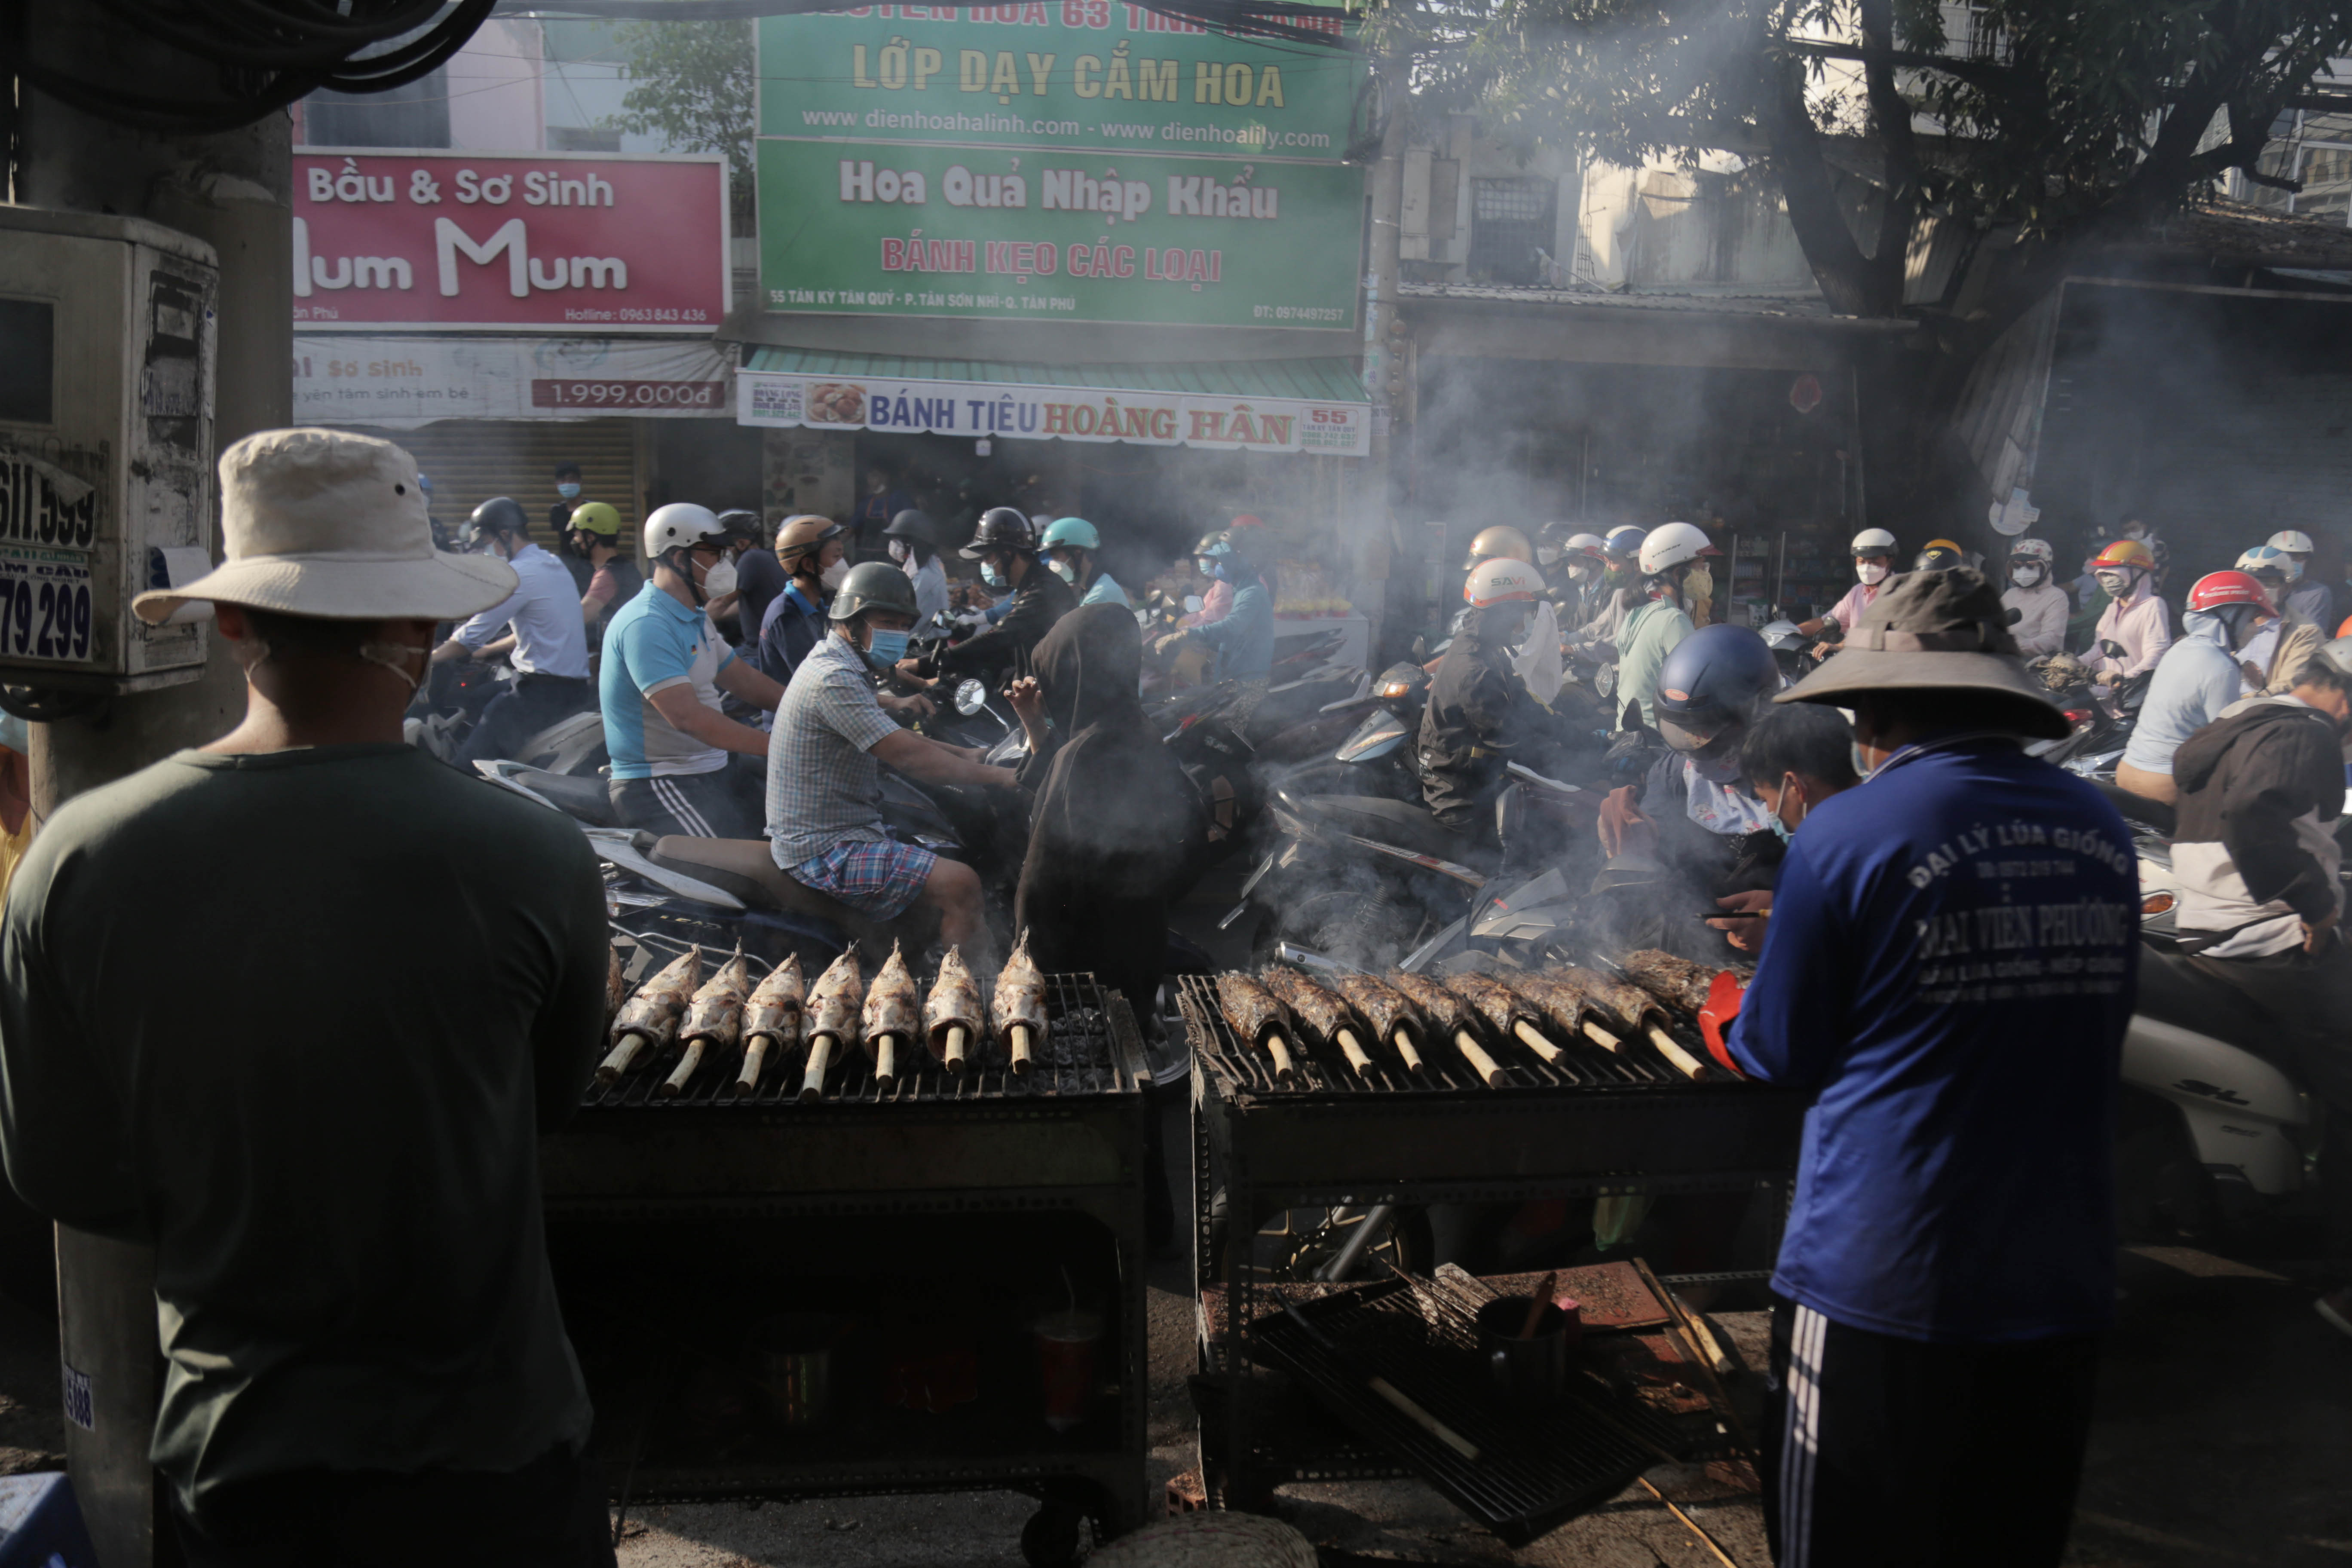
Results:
1050 1538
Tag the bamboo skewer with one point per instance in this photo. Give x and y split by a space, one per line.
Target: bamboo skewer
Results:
1279 1049
820 1056
885 1062
1602 1037
1712 1544
671 1087
1403 1043
1683 1062
624 1052
1532 1037
1480 1062
1536 1306
755 1056
955 1062
1423 1419
1020 1033
1352 1051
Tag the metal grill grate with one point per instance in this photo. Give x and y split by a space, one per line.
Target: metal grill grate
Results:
1534 1469
1320 1068
1078 1058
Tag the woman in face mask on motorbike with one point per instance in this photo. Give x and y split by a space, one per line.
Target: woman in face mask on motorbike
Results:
1676 578
2041 604
914 541
810 548
2137 622
1873 559
1071 544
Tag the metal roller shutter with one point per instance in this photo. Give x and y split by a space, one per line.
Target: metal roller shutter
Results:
470 460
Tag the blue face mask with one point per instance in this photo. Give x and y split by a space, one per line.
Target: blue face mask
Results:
990 575
568 491
1862 768
886 648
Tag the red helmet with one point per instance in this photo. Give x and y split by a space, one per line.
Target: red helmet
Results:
2219 588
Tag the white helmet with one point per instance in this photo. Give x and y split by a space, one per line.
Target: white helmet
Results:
1588 543
2292 541
2032 550
678 525
1670 544
1873 542
1501 580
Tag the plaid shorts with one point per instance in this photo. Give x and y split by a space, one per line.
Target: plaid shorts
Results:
877 880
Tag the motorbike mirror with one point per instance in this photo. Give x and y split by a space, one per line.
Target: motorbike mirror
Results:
2111 648
2015 615
1191 604
970 697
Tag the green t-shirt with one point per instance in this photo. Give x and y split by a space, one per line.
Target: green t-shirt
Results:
1648 634
297 1020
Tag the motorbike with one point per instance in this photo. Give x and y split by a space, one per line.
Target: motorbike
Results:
2102 721
1375 756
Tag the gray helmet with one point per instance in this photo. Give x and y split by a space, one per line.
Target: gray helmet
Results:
499 514
916 525
873 585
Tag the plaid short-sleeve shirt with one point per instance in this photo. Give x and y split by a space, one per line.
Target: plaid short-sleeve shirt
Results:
824 788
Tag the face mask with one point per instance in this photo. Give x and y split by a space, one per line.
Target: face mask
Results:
990 575
1873 573
394 656
884 649
899 551
835 575
567 489
2025 577
1789 787
1862 767
1699 584
719 579
1063 569
1547 556
2293 569
1577 572
2112 584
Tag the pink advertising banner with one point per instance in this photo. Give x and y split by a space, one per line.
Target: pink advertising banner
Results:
514 241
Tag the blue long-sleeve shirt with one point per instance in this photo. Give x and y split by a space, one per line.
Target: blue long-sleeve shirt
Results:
1951 962
1243 641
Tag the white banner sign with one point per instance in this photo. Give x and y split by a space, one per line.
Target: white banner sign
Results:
1054 413
410 380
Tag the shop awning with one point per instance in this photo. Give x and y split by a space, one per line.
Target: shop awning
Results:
1315 406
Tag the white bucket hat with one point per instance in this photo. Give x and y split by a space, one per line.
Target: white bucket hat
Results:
326 524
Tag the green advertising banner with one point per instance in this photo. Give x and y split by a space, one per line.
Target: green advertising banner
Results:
950 231
1067 160
1053 73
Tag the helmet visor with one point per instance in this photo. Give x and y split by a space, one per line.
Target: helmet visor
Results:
1692 733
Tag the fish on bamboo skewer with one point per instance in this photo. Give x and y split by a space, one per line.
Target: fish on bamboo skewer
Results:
1262 1021
833 1013
893 1019
616 983
1325 1013
1019 1005
1450 1018
1567 1007
771 1021
1627 1012
649 1021
953 1019
1506 1011
1391 1016
714 1022
1680 984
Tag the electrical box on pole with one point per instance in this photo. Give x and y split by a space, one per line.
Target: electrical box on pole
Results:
107 357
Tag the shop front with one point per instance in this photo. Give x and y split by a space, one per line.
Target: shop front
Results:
505 315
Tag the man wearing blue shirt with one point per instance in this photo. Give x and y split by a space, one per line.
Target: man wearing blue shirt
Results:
663 668
546 639
1949 964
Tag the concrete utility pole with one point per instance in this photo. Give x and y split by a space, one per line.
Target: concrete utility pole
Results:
233 190
1384 360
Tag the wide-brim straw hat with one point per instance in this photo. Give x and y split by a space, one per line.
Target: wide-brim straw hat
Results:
1935 631
331 524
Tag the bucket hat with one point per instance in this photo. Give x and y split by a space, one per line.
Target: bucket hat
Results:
331 524
1933 631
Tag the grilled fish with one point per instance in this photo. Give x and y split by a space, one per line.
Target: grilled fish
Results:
892 1014
1450 1020
832 1018
1019 1004
771 1021
1325 1013
1625 1011
1260 1019
1506 1012
648 1020
1676 982
1392 1018
616 983
714 1019
952 1017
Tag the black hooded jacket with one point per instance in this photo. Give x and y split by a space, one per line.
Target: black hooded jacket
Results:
1480 718
1008 647
1114 812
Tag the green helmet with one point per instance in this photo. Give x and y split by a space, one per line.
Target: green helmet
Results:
873 585
1074 532
597 517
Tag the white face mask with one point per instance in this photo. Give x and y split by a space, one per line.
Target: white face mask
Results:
719 579
1872 572
1546 555
899 551
394 656
834 575
1578 571
2025 577
2115 584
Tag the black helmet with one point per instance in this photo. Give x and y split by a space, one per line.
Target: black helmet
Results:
1710 683
499 514
1937 557
918 526
741 524
1001 528
873 585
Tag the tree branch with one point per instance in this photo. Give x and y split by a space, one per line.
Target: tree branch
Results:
1890 115
1838 263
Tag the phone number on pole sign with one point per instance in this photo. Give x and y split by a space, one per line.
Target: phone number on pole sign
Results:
43 608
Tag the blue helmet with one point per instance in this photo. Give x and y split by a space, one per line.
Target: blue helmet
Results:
1075 532
1625 542
1710 684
